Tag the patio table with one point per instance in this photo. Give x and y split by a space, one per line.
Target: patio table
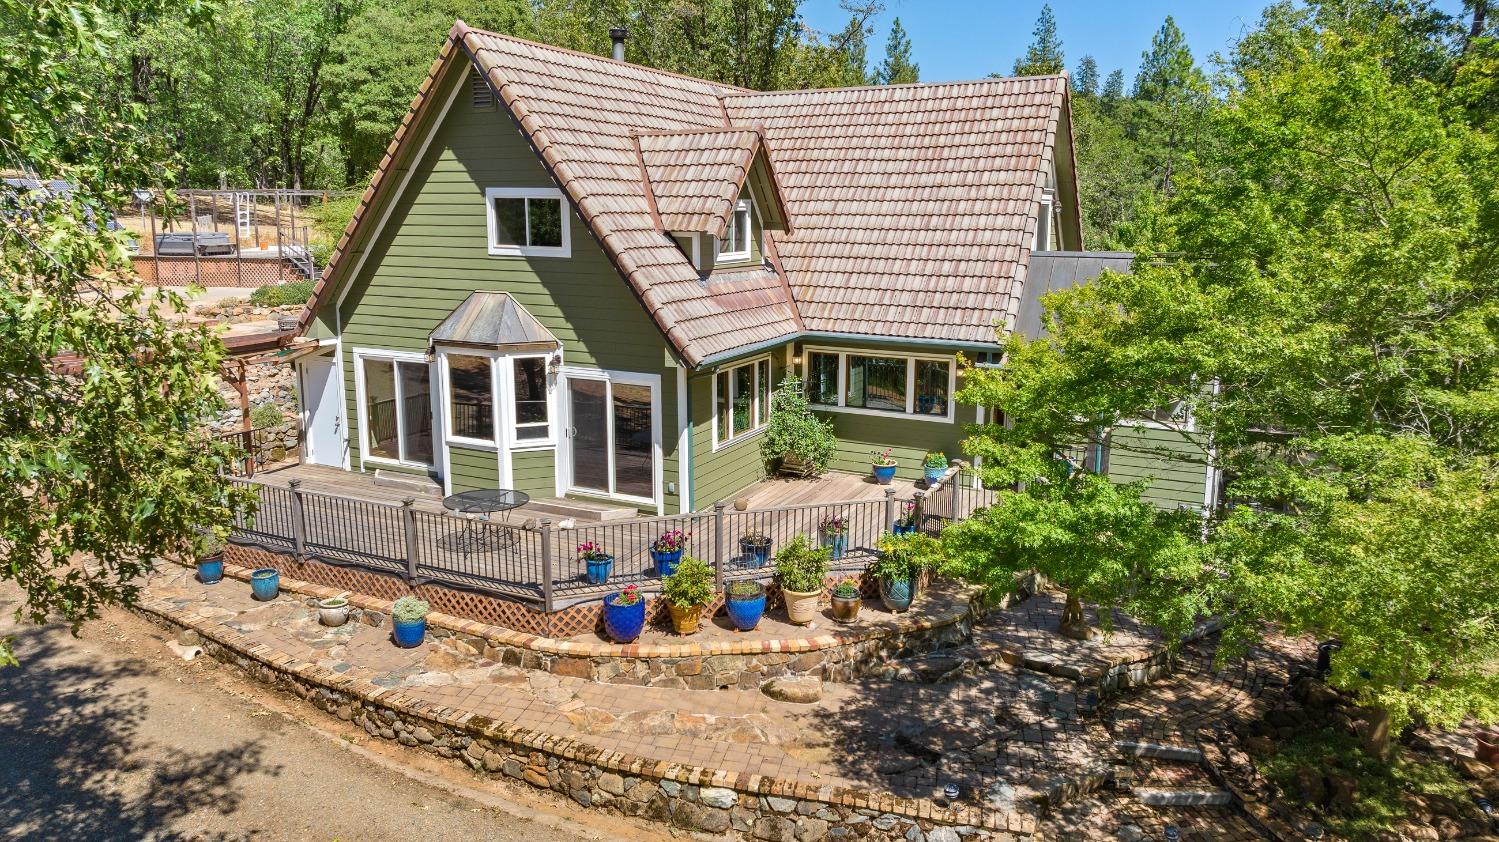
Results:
475 507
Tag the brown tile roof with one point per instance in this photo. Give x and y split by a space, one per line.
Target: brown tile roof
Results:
914 204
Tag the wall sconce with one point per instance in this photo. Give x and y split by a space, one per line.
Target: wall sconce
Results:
554 364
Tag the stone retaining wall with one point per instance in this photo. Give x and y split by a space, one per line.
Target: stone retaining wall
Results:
692 797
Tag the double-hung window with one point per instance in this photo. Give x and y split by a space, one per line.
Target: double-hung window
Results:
486 390
396 405
735 244
877 383
527 222
741 400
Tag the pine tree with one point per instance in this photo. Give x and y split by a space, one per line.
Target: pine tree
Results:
1167 70
1085 80
1113 87
1044 56
898 69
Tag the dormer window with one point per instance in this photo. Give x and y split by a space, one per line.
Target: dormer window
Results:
735 244
1044 220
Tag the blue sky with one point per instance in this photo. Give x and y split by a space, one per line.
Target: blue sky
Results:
969 39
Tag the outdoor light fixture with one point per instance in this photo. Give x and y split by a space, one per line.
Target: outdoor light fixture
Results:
554 363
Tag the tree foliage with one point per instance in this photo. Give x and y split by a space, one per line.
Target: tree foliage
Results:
897 68
99 447
1044 56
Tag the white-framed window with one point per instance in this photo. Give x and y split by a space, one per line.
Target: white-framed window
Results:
880 383
498 400
394 396
735 244
527 222
741 400
531 401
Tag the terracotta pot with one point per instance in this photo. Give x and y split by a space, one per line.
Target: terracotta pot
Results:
685 620
801 608
846 608
1487 750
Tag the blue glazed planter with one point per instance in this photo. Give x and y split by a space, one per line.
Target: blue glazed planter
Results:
883 474
623 622
598 570
666 563
211 570
265 583
897 594
838 544
745 612
931 475
907 529
755 555
410 633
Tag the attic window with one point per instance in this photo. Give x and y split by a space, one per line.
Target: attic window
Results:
735 244
527 222
478 86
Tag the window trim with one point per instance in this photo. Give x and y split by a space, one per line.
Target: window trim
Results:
910 412
361 411
549 441
492 193
721 256
502 382
756 411
658 458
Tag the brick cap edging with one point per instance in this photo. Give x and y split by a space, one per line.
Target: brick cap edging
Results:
964 609
573 749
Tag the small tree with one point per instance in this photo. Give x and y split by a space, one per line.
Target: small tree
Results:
795 431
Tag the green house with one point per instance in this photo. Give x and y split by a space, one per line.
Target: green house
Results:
581 278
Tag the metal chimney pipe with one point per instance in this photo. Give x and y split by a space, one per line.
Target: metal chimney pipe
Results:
618 35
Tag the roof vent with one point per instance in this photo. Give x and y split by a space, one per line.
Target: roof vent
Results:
618 35
479 90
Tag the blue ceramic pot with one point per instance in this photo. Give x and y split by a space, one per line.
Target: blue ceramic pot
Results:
931 475
838 544
599 569
211 570
745 611
897 594
755 555
410 633
666 563
623 622
907 529
265 583
883 474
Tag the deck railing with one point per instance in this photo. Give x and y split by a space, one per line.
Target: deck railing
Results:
537 562
252 448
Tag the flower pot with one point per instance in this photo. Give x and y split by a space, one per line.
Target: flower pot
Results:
211 569
623 622
333 612
756 553
903 528
846 608
265 583
599 569
1487 747
837 543
932 475
897 594
745 611
666 563
883 474
801 608
685 620
410 633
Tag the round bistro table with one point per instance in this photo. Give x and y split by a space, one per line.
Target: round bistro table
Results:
475 507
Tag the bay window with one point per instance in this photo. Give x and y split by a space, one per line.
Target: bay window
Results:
879 384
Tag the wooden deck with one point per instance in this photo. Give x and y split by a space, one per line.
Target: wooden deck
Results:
831 487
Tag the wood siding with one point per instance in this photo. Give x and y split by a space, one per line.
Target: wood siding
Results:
474 468
1171 482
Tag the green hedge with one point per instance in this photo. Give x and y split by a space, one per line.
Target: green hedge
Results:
280 295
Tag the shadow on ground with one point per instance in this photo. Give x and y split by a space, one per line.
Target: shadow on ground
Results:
75 765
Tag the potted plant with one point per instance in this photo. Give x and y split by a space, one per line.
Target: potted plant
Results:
755 545
800 570
408 616
933 467
333 611
598 563
796 441
846 601
666 551
832 534
898 567
1486 749
687 591
265 583
208 547
745 602
624 614
883 465
905 522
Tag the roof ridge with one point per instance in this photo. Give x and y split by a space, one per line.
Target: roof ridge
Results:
756 127
746 92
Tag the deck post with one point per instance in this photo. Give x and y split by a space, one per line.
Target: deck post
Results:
918 515
408 517
718 544
889 510
546 565
298 520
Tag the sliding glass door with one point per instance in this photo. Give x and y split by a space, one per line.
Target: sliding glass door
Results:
614 440
397 407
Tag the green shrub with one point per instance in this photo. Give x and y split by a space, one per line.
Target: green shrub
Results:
794 431
281 295
801 567
904 556
935 459
409 609
691 586
743 589
846 590
208 544
266 415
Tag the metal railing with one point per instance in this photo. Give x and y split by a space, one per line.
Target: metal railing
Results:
538 562
252 448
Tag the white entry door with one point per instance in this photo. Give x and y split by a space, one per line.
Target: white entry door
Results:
321 403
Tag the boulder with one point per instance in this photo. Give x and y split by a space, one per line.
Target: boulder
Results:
1342 794
1308 786
803 690
1374 732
